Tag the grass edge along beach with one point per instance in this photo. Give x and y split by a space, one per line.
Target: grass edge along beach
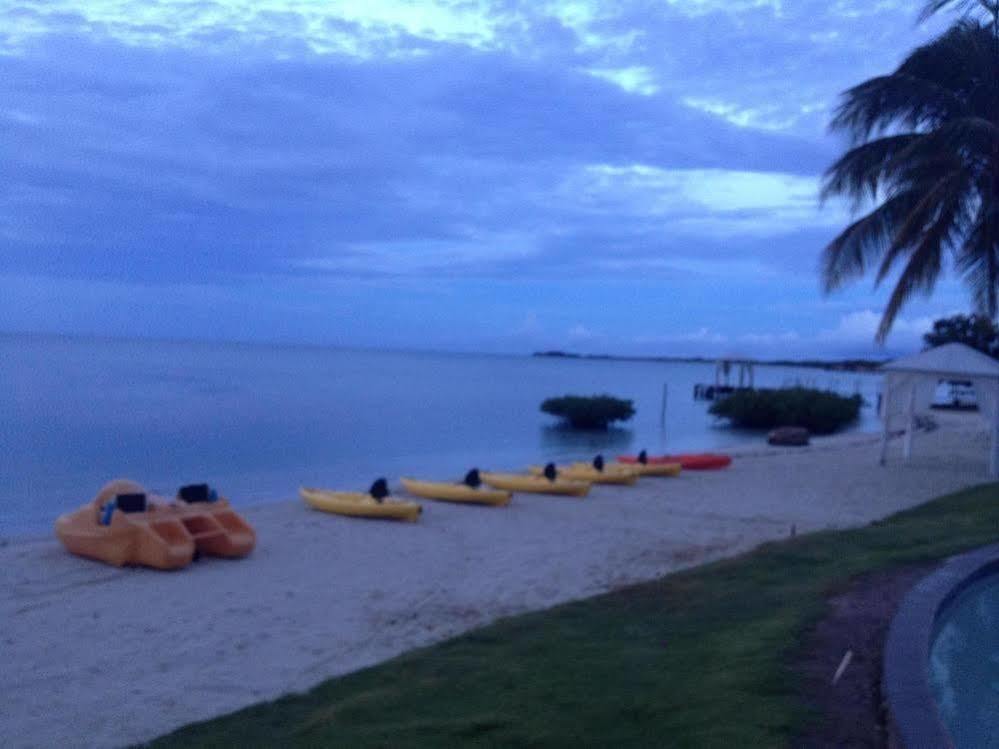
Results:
701 657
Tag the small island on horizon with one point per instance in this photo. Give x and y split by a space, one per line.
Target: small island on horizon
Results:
838 365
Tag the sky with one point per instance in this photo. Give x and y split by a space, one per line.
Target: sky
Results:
632 177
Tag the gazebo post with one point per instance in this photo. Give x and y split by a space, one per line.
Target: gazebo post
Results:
994 452
910 425
884 419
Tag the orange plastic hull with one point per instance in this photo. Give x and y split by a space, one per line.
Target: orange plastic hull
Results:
165 536
689 462
216 528
151 539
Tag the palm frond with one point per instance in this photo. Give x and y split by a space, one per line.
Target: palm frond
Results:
864 242
920 273
962 6
978 258
938 81
858 173
939 209
956 60
878 105
972 139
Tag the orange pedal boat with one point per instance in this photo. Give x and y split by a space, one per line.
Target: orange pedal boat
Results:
215 527
120 526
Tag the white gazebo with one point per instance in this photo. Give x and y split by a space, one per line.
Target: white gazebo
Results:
911 383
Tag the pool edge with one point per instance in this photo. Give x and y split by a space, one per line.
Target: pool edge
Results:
914 720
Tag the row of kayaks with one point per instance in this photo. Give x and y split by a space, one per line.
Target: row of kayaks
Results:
497 489
127 525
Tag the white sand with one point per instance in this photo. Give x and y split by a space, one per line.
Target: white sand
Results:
96 656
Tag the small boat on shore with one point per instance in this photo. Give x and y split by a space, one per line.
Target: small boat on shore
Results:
360 504
121 526
517 482
687 461
462 492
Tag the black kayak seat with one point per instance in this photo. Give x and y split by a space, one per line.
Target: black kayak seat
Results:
643 457
598 463
196 493
473 479
131 502
379 490
551 473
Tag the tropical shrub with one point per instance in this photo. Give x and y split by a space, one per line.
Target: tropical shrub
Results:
594 412
977 331
819 411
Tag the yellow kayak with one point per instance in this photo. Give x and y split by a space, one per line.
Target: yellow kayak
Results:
655 469
586 472
516 482
359 504
456 492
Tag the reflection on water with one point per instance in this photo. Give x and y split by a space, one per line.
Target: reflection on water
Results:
561 440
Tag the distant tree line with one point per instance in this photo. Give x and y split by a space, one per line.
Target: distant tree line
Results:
977 331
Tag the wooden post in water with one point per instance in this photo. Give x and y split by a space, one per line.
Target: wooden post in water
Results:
662 413
911 423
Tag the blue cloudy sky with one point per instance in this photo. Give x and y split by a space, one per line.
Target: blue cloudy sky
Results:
634 176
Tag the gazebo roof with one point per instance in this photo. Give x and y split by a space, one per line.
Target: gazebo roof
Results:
952 360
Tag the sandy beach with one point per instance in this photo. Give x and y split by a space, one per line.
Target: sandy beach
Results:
98 656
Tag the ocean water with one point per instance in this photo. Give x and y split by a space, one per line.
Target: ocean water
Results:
259 421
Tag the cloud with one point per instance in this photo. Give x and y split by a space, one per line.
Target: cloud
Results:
861 326
638 79
699 336
663 157
708 202
581 334
146 163
529 326
770 339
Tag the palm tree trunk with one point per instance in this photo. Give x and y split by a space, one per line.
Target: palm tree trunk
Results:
993 305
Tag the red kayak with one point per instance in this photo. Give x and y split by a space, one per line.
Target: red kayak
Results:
689 461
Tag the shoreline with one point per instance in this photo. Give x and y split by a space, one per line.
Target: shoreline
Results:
322 596
750 447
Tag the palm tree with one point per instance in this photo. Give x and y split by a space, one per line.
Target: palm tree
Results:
925 151
991 7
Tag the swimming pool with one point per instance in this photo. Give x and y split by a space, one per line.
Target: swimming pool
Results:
964 665
941 661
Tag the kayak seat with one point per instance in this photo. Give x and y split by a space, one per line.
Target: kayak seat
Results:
193 493
379 490
131 502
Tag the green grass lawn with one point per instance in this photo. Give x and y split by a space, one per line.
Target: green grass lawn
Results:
697 659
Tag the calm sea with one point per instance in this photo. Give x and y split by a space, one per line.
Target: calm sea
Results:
259 421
